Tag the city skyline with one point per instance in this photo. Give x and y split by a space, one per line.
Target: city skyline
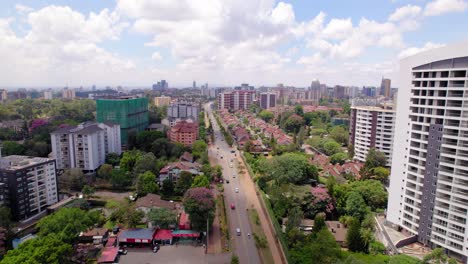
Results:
136 43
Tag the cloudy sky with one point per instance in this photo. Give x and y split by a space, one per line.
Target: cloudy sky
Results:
221 42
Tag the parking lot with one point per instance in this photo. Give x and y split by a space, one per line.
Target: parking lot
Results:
172 254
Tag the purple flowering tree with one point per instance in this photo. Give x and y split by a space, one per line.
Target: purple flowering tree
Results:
200 204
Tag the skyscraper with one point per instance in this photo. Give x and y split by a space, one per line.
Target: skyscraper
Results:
429 181
267 100
385 88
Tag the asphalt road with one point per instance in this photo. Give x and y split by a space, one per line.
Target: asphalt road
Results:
244 247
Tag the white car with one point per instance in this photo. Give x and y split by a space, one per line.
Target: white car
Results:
237 190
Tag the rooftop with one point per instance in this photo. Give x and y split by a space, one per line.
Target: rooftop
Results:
16 162
154 200
137 233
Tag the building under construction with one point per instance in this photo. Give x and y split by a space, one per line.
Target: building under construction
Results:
130 112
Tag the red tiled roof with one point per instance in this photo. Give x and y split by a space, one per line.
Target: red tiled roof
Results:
108 255
163 234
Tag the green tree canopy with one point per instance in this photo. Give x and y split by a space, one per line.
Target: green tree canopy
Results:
339 134
356 206
113 159
162 217
105 171
48 249
129 159
184 183
288 168
146 162
299 110
339 158
294 123
354 239
331 147
145 138
167 187
199 203
67 223
322 249
120 179
146 183
201 181
199 149
12 148
374 159
266 115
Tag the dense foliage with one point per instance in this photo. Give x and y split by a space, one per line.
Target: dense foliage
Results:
199 203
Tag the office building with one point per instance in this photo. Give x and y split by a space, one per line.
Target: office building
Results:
184 132
428 195
244 87
369 91
68 93
180 111
161 85
129 112
236 100
30 185
162 101
194 85
385 88
267 100
48 94
372 127
85 146
339 92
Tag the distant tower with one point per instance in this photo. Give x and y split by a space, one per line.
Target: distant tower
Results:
194 85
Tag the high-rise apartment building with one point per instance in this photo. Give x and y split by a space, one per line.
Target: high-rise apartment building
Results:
48 95
429 180
267 100
369 91
180 111
385 87
339 92
30 185
68 93
372 127
162 101
85 146
236 100
3 95
129 112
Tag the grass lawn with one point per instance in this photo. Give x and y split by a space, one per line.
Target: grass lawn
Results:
265 253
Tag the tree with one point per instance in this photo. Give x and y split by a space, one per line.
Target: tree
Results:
199 148
146 183
144 138
72 179
12 148
146 162
134 217
167 187
113 159
162 217
319 223
381 174
339 157
184 182
403 259
199 203
374 159
200 181
354 239
339 134
437 256
6 223
294 123
234 259
295 216
350 151
248 146
322 249
48 249
67 223
105 171
266 115
299 110
124 213
87 191
129 159
288 168
120 179
331 147
331 183
356 206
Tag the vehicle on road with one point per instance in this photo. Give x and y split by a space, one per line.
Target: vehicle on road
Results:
230 165
221 156
238 231
237 190
233 151
233 175
227 181
233 206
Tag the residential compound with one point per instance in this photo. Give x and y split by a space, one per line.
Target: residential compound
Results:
129 112
236 100
29 185
180 111
85 146
429 181
372 127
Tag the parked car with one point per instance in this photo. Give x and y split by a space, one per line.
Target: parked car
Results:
237 190
233 206
227 181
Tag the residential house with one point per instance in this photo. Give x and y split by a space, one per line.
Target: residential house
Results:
95 235
172 170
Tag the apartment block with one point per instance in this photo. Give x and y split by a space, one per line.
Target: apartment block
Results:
236 100
267 100
181 111
428 195
184 132
372 127
162 101
30 185
85 146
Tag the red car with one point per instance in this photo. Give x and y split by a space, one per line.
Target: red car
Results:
233 206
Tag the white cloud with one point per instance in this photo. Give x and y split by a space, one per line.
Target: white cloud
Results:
156 56
439 7
311 60
414 50
405 12
338 28
23 9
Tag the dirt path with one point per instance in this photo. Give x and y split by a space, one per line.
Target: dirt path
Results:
253 202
